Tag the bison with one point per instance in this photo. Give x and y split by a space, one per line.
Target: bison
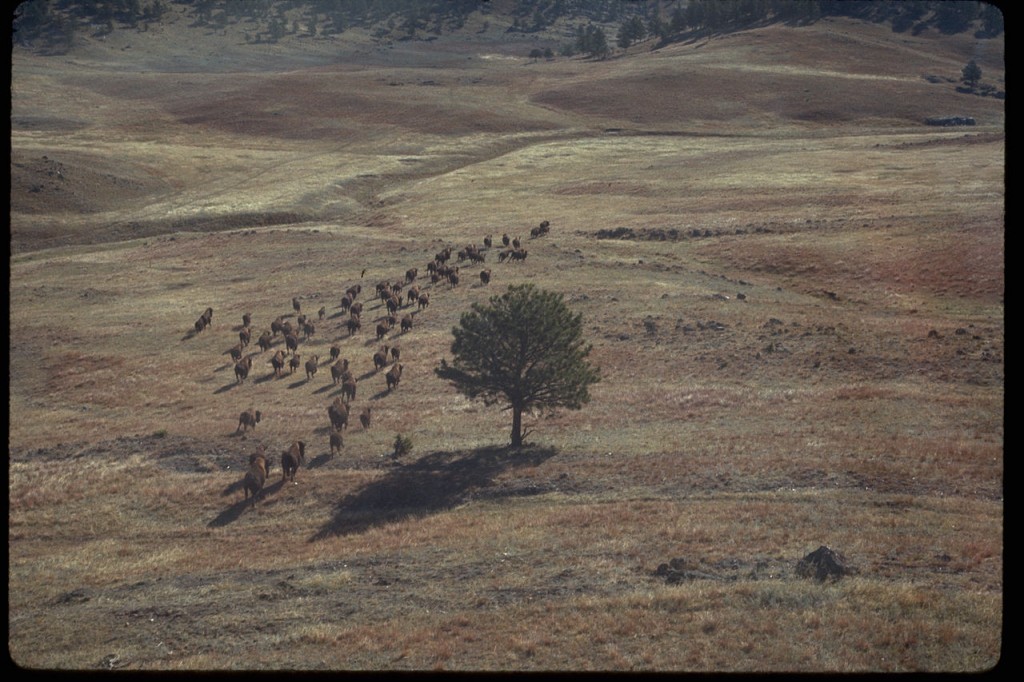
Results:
246 319
382 330
277 362
291 342
242 368
265 341
236 352
337 442
406 323
277 326
338 370
335 352
364 417
348 388
485 276
296 305
255 477
353 324
249 418
424 300
322 313
294 363
291 459
396 353
311 366
244 335
393 375
337 412
410 275
380 358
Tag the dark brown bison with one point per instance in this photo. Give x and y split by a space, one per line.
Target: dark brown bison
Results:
294 363
517 254
296 306
337 442
277 326
338 371
410 275
380 358
246 319
265 341
356 309
353 324
335 352
453 278
242 368
382 330
236 352
291 459
488 242
277 362
505 239
424 300
244 335
364 417
337 412
348 388
255 477
393 375
249 418
406 323
311 366
485 276
322 313
396 353
205 320
291 343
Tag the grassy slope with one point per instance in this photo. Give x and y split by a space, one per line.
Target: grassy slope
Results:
853 398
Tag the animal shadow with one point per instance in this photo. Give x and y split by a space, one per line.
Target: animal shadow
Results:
235 511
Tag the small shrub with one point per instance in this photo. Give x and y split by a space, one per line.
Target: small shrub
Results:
403 446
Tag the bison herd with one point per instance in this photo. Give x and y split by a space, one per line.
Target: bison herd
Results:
392 297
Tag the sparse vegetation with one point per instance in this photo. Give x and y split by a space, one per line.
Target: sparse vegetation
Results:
792 285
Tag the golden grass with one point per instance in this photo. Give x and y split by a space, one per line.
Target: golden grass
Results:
733 434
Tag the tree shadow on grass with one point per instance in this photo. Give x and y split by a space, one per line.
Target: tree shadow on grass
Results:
433 483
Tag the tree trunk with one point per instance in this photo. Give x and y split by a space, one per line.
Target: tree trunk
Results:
517 426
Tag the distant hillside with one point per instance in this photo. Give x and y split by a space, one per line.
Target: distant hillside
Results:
593 27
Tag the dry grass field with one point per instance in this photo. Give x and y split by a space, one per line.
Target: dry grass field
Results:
793 287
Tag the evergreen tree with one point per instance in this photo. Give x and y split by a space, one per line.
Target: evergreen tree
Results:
524 348
971 73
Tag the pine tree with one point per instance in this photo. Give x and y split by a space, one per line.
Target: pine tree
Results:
524 348
971 74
